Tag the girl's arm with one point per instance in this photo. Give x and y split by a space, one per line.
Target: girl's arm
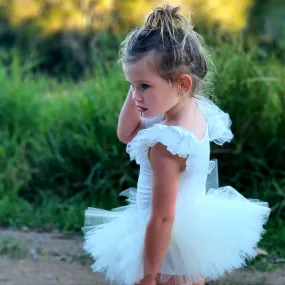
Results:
129 120
165 174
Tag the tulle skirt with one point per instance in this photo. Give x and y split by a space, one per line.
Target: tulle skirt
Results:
211 235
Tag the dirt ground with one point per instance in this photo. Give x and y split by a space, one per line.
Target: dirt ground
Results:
39 258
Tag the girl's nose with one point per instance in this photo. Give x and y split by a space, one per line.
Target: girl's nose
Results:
136 95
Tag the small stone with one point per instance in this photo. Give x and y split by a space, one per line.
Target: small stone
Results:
33 254
24 228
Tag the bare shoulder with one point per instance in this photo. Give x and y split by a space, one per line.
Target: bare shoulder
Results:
159 152
161 158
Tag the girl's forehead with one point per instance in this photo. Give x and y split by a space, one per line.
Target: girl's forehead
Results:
144 67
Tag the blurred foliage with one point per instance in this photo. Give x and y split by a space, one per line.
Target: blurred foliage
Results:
60 153
58 147
55 15
69 36
266 27
50 16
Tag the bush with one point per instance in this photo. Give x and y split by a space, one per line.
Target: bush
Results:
252 91
59 140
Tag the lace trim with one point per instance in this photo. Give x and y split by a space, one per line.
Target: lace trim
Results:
219 122
177 140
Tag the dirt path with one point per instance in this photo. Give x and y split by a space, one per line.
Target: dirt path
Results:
35 258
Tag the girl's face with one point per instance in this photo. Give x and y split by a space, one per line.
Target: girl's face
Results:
149 90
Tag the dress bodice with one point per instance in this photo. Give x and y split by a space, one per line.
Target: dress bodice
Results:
182 142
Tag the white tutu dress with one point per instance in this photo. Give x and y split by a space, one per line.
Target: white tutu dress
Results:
214 230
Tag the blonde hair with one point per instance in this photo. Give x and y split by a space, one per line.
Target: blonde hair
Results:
178 48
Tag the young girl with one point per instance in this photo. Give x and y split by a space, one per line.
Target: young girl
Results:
172 231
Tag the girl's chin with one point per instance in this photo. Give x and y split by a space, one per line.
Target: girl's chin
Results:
145 114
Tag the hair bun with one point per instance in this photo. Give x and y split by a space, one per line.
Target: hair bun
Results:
165 18
178 47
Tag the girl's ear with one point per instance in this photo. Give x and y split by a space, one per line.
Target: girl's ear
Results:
184 82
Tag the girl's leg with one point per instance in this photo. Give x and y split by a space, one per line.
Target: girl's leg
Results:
201 282
171 281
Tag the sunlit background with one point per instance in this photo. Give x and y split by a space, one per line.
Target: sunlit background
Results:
69 36
62 90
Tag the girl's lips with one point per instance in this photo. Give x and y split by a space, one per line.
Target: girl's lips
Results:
142 109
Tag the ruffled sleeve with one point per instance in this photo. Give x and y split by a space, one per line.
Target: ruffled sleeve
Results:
219 122
177 141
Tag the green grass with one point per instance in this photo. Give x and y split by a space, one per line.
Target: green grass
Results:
83 259
12 248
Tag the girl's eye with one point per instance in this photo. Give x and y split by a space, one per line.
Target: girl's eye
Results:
145 86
